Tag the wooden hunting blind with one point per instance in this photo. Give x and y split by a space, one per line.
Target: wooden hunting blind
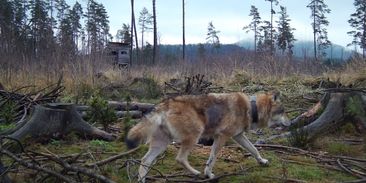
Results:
119 53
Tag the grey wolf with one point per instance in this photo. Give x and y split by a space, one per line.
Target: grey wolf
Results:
186 119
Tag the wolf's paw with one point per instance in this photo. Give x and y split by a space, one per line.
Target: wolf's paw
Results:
210 175
196 172
263 162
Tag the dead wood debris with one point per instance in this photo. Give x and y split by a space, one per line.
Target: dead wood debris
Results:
76 168
193 85
353 166
25 101
46 165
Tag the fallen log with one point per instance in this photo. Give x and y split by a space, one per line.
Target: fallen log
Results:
132 114
120 114
58 119
124 106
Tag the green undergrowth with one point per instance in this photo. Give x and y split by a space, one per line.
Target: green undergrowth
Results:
229 160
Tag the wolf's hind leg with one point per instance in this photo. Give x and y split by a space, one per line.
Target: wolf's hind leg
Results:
186 147
217 145
158 144
242 140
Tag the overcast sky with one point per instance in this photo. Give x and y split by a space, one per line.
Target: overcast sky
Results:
228 16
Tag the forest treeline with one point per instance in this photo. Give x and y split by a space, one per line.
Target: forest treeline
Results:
40 30
47 29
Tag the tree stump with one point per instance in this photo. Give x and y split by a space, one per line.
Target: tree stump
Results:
58 119
340 108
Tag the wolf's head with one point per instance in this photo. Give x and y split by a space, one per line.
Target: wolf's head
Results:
270 110
277 114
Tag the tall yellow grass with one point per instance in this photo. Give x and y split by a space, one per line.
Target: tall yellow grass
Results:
221 70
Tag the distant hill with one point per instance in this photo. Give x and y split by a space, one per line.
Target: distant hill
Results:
305 48
175 51
301 49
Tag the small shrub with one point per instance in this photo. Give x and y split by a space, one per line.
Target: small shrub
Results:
100 112
83 92
8 112
354 106
298 136
242 78
4 127
55 142
100 145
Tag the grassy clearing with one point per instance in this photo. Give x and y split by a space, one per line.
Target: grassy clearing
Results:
296 81
229 160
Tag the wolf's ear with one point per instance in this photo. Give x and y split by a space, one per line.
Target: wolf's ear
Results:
276 95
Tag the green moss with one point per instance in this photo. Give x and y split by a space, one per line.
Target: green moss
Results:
4 127
354 106
339 148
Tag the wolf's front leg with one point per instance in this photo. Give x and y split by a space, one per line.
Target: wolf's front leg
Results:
242 140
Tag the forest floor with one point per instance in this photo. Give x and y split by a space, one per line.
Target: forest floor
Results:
318 162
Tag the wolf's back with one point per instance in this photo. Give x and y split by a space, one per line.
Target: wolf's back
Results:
139 133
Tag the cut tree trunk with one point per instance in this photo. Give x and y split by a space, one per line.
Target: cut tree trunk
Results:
123 106
58 119
332 117
132 114
310 115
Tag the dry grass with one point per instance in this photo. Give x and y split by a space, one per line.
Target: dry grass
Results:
223 71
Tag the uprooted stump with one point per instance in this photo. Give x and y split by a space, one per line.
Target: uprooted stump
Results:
340 107
58 119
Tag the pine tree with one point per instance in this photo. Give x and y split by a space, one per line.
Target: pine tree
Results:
184 29
75 15
133 32
318 10
265 43
272 31
6 26
155 32
97 27
65 39
21 28
145 23
124 35
358 22
212 37
62 9
285 37
65 32
254 25
41 30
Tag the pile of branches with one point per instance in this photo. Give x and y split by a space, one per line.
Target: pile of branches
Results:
193 85
46 166
23 102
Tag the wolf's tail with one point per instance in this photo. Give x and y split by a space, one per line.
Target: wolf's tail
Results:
139 133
